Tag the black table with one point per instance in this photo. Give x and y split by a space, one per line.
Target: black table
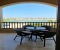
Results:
37 32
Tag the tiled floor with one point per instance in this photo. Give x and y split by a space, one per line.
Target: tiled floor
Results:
7 43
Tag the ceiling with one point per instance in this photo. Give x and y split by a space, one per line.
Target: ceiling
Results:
7 2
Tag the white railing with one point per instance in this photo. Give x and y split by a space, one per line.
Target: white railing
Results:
21 24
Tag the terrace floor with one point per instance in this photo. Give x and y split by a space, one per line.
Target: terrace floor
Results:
7 43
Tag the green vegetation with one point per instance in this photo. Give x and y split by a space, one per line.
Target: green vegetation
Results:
29 19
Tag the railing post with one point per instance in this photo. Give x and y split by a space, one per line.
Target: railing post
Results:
1 16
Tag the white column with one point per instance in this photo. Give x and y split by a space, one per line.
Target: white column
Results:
1 16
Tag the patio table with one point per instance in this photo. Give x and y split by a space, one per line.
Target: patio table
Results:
36 31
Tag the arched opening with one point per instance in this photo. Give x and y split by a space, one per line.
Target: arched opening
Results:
26 5
29 12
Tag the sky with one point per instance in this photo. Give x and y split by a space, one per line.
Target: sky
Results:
27 10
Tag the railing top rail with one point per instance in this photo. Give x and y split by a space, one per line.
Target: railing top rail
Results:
28 22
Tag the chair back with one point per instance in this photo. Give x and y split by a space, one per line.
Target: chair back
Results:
49 34
48 27
19 31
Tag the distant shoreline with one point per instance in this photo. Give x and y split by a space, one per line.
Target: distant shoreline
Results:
29 19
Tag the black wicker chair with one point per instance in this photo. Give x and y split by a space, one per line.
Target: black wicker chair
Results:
47 34
21 32
27 27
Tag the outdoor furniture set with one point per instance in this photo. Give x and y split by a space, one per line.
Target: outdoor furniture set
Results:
29 30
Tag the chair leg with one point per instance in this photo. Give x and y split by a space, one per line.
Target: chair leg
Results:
21 40
44 42
36 38
54 40
30 37
15 37
41 38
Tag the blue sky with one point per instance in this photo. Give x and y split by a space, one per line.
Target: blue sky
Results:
33 10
